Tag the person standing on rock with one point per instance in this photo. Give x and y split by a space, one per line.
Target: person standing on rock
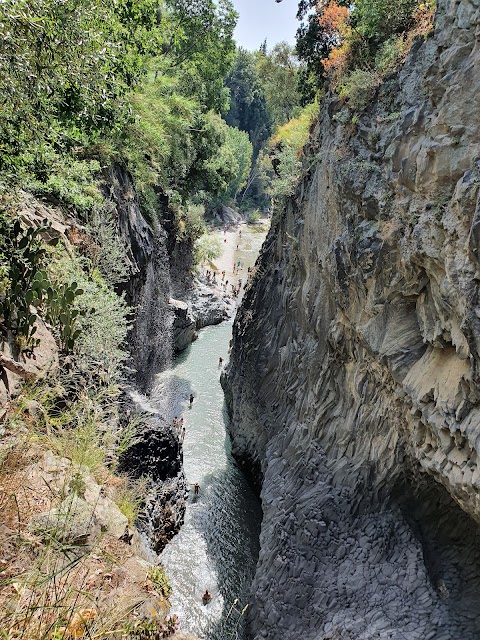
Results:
196 489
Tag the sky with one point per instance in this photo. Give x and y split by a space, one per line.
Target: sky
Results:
260 19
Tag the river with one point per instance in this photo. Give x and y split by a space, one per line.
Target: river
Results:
217 547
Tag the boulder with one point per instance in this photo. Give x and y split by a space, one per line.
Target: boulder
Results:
230 216
208 307
184 328
73 522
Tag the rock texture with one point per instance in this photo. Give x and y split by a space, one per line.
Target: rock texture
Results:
158 456
184 326
354 375
208 306
148 288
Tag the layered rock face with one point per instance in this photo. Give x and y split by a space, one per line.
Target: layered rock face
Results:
354 374
148 288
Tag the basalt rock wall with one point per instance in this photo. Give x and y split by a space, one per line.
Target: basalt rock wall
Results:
354 374
153 254
149 285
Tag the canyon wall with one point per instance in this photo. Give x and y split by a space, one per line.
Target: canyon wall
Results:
353 382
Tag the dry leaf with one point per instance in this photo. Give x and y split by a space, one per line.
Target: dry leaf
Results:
76 627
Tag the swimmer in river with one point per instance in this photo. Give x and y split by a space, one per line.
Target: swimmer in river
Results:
196 489
220 361
206 597
191 400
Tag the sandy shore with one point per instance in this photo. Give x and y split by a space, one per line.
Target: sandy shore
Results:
238 236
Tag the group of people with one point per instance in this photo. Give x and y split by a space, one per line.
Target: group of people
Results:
237 266
211 276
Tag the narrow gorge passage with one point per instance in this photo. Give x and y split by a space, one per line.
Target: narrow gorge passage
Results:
217 547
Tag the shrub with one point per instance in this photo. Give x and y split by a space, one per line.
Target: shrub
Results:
129 497
253 217
160 579
389 54
102 322
25 283
207 248
377 20
110 254
62 178
193 221
359 87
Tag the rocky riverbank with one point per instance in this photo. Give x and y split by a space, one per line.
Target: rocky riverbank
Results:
68 537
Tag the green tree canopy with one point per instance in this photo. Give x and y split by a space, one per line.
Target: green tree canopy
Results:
248 104
278 71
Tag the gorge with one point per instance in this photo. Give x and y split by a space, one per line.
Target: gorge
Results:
334 439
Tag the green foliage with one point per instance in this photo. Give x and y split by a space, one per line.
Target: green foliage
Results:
60 311
201 47
69 63
287 169
388 54
129 496
296 131
192 223
160 579
61 178
378 20
378 35
359 87
83 84
248 104
109 254
239 149
282 159
278 71
313 46
207 249
253 217
26 284
102 323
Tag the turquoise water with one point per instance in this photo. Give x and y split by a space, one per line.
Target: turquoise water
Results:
217 547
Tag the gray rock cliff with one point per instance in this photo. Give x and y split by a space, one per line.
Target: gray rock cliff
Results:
354 375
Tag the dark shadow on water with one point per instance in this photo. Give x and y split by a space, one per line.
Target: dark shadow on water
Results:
226 515
229 519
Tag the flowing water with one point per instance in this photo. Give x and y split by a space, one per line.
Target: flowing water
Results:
217 547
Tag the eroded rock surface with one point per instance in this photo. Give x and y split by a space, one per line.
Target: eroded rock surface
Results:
354 375
158 456
184 327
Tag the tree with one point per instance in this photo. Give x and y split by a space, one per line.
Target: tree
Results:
207 249
314 44
278 71
248 105
200 45
69 62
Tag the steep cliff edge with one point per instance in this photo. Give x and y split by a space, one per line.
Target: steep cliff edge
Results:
354 382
